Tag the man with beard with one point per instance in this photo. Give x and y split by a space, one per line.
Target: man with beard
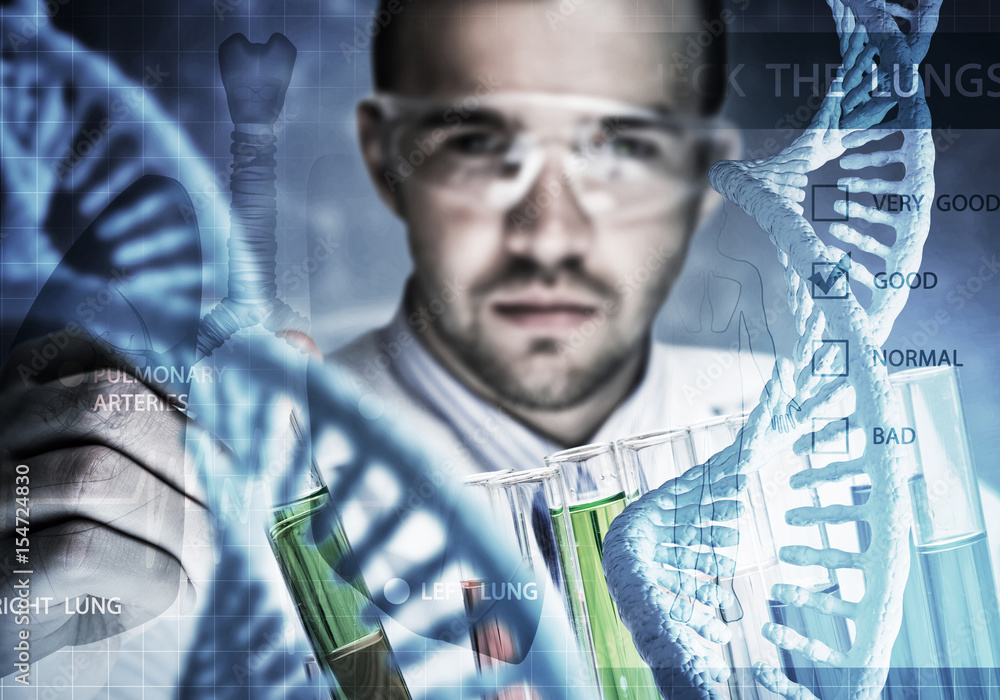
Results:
550 185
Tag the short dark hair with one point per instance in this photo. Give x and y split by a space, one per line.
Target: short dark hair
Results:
385 70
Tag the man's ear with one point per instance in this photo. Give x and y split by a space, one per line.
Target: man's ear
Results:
386 181
728 145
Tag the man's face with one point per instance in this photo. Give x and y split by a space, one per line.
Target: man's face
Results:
552 210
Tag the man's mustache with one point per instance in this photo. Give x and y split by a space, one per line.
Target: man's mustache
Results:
521 272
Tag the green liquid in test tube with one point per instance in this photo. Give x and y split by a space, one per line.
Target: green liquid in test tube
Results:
596 497
351 645
308 540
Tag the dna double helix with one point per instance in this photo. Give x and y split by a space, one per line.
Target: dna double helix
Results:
863 125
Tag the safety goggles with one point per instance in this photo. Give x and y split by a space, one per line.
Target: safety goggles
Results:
619 161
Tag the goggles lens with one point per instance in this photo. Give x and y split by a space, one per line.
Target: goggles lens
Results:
613 157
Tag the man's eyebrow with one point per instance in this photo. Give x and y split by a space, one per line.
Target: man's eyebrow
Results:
632 121
451 118
658 117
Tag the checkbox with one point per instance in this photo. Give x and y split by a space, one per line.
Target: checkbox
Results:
829 281
841 363
840 446
823 198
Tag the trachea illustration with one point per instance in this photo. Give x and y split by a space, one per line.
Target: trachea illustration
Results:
883 120
255 77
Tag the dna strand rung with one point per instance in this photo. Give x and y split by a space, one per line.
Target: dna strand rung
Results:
885 131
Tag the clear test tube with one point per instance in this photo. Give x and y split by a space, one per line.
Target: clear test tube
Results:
473 581
596 494
492 645
768 497
534 501
652 459
756 549
914 660
482 479
709 437
755 568
949 533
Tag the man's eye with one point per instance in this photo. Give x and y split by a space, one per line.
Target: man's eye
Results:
633 147
478 143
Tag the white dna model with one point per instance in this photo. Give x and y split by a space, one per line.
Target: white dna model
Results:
650 553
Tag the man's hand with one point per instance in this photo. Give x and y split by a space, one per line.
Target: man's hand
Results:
106 510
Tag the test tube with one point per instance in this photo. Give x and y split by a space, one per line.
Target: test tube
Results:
763 531
755 551
597 493
756 566
949 533
308 541
710 436
651 459
535 501
913 663
492 644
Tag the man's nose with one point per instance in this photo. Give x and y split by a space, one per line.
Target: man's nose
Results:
548 225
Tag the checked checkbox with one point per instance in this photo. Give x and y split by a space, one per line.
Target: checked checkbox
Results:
830 280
